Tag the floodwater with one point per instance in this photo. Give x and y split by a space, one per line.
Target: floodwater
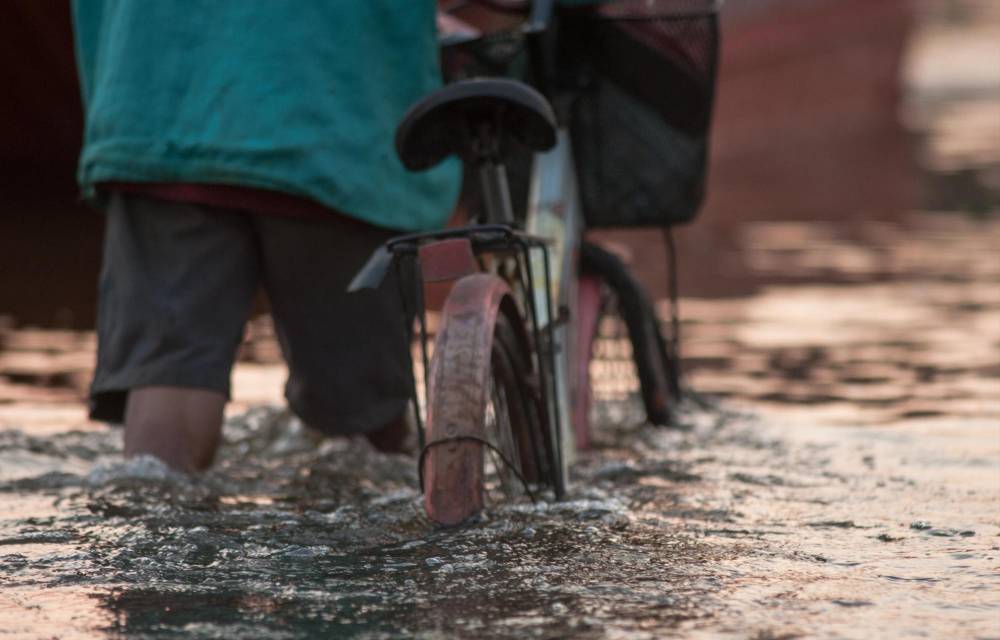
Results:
842 481
837 474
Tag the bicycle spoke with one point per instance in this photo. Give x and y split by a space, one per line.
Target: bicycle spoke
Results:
499 433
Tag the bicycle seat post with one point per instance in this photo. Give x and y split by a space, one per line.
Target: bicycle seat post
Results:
492 175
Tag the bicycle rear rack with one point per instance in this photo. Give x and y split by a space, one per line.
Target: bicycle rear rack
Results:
487 239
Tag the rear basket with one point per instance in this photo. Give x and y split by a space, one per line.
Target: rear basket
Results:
641 79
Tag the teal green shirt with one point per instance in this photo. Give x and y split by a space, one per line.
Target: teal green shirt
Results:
298 96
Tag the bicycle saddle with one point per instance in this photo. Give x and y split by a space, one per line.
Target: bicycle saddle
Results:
466 116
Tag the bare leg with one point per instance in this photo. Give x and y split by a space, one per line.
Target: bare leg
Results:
178 425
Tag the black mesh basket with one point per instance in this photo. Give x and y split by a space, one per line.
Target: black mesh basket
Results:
640 78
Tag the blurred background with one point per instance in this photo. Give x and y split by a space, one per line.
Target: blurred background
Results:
845 256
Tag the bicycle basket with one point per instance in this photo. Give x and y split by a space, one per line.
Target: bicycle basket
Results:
641 76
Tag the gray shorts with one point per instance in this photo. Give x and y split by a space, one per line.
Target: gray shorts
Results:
177 286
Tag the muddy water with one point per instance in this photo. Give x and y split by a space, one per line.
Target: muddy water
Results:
840 477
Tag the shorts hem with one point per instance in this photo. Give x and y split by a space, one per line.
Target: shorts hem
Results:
108 395
359 422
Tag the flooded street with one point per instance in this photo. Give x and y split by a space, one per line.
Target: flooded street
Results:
841 480
835 472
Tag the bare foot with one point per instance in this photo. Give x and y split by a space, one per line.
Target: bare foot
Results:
393 437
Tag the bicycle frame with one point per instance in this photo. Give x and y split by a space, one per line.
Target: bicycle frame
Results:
554 212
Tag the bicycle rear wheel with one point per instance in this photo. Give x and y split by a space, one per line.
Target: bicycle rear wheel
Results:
486 441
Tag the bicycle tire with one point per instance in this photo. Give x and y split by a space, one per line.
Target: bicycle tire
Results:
654 368
462 475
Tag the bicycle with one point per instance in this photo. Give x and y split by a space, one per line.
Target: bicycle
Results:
520 294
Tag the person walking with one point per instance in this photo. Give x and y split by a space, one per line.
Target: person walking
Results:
233 145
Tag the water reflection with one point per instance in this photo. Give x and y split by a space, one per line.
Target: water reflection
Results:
665 532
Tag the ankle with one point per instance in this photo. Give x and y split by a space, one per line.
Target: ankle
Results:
182 427
394 437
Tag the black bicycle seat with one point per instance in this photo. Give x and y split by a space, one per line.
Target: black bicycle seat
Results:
450 119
